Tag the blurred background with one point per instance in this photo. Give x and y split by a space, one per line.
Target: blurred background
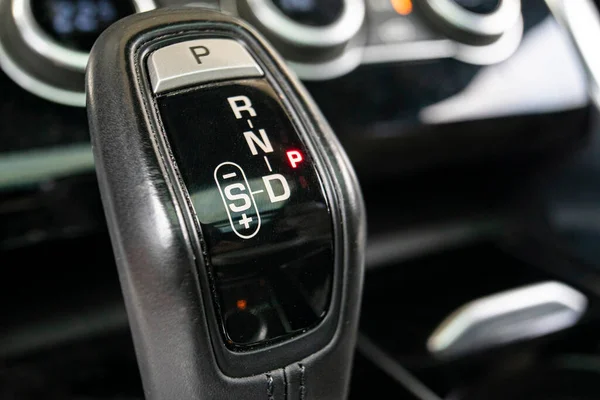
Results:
473 127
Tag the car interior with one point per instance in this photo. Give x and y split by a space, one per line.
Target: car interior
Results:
424 223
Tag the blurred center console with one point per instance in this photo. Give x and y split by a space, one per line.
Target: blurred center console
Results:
447 109
410 83
45 44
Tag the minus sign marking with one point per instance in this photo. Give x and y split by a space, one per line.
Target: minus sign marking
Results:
230 175
250 124
257 191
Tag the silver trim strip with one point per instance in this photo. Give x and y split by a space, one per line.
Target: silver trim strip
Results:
36 86
409 51
34 166
582 21
545 59
452 329
40 42
493 53
492 24
335 34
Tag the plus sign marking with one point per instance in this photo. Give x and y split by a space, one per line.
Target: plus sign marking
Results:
245 221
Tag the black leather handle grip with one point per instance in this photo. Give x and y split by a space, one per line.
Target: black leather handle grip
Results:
171 277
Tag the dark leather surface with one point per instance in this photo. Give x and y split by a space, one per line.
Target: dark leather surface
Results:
169 316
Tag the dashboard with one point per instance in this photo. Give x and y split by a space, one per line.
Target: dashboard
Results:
449 110
410 103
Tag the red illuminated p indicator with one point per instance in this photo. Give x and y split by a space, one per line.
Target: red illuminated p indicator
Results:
295 157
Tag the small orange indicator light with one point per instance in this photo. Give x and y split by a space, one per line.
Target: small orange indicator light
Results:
241 304
402 7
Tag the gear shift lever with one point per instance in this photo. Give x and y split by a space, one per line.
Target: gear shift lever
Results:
236 220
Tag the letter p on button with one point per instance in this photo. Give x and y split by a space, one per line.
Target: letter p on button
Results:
199 52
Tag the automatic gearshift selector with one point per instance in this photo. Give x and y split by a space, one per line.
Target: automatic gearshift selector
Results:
236 219
259 203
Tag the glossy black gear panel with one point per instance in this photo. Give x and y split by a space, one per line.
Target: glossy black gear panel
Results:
260 205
